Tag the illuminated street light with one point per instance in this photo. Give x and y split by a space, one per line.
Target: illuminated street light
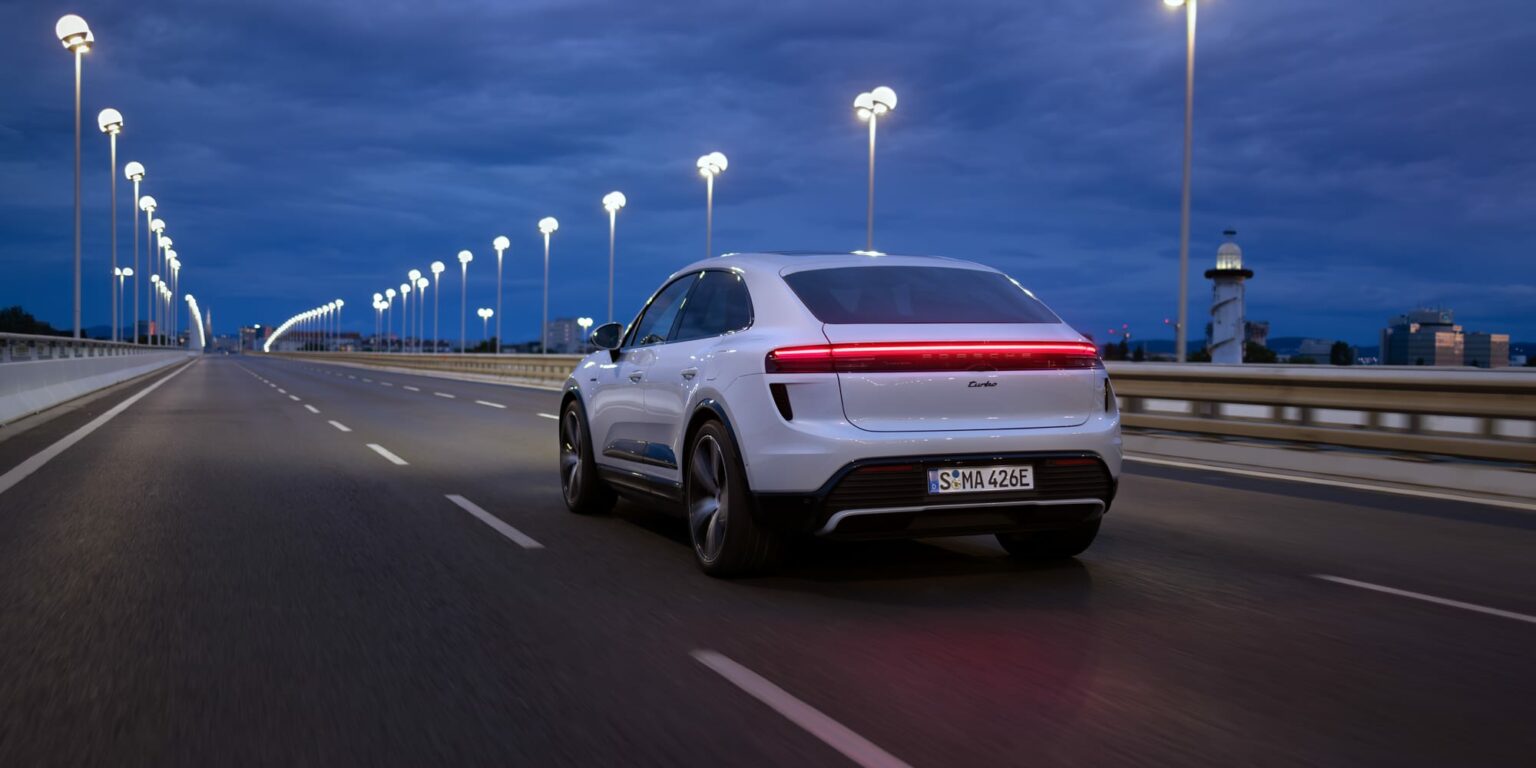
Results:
339 304
547 226
378 317
405 313
389 320
110 121
76 37
1182 328
584 323
870 105
412 277
437 270
135 173
120 273
465 257
500 244
421 314
612 202
710 166
485 314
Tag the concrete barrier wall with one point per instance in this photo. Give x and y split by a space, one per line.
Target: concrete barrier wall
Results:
27 387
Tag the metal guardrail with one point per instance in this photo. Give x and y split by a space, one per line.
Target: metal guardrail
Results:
24 347
1476 414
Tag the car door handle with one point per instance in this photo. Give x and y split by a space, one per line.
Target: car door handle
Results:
636 376
689 373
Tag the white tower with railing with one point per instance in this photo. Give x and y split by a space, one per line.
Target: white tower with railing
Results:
1228 313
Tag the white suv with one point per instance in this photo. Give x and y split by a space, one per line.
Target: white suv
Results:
769 395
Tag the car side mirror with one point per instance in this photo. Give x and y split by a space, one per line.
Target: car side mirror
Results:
607 336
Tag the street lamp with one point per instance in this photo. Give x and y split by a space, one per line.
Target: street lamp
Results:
485 314
547 225
76 37
501 244
378 317
412 277
421 314
389 320
147 204
173 284
710 166
437 270
612 202
870 105
339 304
585 323
465 257
120 273
1181 331
405 313
110 121
135 173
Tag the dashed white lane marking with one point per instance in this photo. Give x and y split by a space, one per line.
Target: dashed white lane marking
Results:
522 539
550 416
365 378
382 451
832 733
311 408
412 389
282 391
36 462
1334 483
387 384
341 426
491 404
1427 598
443 394
294 398
350 376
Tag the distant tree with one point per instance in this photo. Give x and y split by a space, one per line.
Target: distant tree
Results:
1340 354
1123 349
1140 355
17 320
1256 353
1199 356
1303 360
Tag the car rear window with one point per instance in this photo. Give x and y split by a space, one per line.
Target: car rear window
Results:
847 295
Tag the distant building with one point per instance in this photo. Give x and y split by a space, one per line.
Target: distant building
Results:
564 335
1424 337
1487 350
1256 332
1228 324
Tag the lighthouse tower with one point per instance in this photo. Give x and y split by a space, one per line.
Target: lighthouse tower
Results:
1227 305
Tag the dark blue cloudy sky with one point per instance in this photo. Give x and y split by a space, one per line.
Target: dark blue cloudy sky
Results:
1373 155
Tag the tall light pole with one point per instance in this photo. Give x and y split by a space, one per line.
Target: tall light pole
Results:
378 318
547 225
413 277
465 257
437 271
154 308
76 36
485 314
147 204
870 106
1181 332
501 244
421 313
119 273
584 323
405 313
389 320
135 173
612 202
172 317
710 166
110 121
339 304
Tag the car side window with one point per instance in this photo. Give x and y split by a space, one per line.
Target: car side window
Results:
655 323
718 305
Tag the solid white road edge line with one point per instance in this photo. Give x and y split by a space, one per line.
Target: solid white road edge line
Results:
311 408
1427 598
832 733
382 451
522 539
341 426
491 404
1335 483
550 416
36 462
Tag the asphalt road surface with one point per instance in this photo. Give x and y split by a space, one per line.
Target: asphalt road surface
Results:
272 562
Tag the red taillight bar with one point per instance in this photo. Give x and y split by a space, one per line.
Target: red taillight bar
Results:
886 356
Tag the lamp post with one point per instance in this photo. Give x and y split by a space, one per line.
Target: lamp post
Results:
76 37
378 317
465 257
710 166
339 304
869 106
421 313
585 323
405 313
172 317
612 202
547 225
501 244
119 273
135 173
154 308
147 204
1181 331
413 277
110 121
389 320
485 314
437 271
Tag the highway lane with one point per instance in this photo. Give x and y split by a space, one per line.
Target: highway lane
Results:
280 592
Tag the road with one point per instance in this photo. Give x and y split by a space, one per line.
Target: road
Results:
226 573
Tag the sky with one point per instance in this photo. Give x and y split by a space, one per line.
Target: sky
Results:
1373 156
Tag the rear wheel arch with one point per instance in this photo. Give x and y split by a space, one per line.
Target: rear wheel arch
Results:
709 409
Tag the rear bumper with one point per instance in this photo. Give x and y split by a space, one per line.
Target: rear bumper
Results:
888 498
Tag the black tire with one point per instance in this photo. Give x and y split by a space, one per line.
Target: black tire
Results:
585 493
727 541
1050 545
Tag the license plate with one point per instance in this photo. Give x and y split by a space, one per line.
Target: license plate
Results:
981 479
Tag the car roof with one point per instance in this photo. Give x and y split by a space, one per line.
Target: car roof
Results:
777 262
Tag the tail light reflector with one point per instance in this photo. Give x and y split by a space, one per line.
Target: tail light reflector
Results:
933 356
